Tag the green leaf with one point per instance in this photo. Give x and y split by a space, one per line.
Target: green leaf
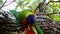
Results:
16 7
14 12
20 1
39 0
1 2
55 8
28 1
56 17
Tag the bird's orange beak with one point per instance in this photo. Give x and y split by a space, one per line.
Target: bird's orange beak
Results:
33 12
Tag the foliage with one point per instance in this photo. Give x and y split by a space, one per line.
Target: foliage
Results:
28 4
1 2
32 5
54 7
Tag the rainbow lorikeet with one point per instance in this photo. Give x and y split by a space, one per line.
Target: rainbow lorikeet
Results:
27 17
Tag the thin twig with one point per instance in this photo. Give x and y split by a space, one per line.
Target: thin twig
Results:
52 1
49 13
3 4
53 13
8 4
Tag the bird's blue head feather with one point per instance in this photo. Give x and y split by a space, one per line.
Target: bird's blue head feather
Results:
30 18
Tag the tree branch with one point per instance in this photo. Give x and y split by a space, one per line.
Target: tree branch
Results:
3 4
8 4
53 13
49 13
52 1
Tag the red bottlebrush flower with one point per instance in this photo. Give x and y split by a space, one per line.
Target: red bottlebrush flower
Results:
24 21
29 30
26 29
